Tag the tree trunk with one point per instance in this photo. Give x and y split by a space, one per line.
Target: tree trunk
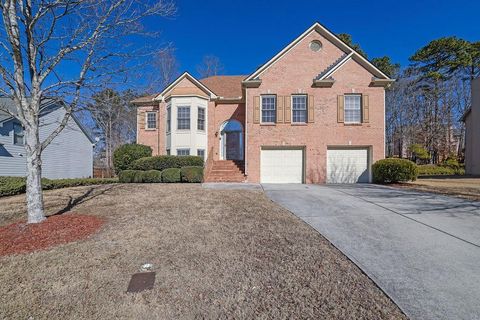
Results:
34 178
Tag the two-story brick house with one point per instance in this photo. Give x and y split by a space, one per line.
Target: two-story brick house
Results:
314 113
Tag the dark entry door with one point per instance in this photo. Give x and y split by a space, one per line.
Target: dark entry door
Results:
232 146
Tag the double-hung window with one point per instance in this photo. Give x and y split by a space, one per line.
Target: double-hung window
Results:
201 119
269 108
151 120
201 153
169 118
299 108
183 118
18 135
183 152
353 108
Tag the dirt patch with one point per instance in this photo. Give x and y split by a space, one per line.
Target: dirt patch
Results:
21 237
217 254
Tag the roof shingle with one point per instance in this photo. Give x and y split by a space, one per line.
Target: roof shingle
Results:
225 86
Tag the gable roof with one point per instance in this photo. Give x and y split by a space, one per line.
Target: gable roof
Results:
185 75
48 106
229 87
332 38
144 99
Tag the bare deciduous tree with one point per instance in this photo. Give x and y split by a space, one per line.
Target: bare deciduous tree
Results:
58 48
115 119
211 66
166 68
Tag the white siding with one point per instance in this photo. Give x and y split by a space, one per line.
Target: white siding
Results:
70 155
192 139
12 157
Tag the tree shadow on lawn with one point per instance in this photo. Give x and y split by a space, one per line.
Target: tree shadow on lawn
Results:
86 196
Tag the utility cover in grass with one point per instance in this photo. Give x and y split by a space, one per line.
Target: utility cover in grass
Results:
141 282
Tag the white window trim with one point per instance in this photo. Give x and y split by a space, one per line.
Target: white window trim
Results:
13 134
306 108
190 118
189 151
169 108
203 153
345 109
261 108
204 118
146 120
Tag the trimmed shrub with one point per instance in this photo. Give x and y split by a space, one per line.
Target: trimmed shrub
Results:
138 177
12 185
192 174
434 170
152 176
126 176
16 185
165 162
48 184
124 155
394 170
171 175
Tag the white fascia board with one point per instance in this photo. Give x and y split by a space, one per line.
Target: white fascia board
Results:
160 96
338 66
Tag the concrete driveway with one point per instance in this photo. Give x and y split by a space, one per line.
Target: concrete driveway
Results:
422 249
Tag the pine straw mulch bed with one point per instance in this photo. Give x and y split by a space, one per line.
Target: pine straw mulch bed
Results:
216 253
21 237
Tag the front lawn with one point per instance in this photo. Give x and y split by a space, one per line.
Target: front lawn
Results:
216 253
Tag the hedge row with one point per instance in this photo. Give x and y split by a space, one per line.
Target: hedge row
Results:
16 185
192 174
161 163
434 170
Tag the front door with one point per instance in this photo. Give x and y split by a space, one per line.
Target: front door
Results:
233 146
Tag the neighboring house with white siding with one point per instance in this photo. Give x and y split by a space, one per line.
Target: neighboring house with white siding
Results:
69 155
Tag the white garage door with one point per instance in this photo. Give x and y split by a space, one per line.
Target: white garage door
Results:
281 166
347 165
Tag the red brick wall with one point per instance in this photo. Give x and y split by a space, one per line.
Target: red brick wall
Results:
294 73
218 114
153 138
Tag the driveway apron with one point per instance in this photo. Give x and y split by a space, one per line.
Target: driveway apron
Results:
422 249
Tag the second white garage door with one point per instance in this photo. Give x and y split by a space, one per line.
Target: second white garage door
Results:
347 165
281 166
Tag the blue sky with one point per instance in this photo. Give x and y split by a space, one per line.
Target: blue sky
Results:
246 33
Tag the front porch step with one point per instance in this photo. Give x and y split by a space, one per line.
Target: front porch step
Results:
225 171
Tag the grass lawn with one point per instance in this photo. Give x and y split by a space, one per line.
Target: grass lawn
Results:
463 187
216 253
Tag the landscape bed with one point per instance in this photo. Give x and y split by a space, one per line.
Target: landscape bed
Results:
216 254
